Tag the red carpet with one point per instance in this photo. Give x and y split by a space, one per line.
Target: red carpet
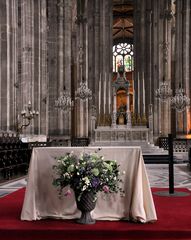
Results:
174 222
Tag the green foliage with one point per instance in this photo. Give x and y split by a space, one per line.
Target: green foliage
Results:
87 172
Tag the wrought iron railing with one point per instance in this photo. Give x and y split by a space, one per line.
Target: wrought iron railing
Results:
179 145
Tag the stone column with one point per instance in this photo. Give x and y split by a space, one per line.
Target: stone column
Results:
27 57
136 55
81 106
104 48
186 61
96 54
102 55
156 67
90 69
140 57
167 16
182 72
41 64
67 60
61 86
52 45
108 58
8 64
148 74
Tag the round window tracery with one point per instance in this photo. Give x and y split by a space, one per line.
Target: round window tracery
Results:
123 56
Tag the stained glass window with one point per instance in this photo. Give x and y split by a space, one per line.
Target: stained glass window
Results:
123 57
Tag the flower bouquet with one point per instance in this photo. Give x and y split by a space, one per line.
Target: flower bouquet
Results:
87 173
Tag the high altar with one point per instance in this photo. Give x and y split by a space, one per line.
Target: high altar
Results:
123 126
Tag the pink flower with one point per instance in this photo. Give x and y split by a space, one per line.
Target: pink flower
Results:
105 188
68 193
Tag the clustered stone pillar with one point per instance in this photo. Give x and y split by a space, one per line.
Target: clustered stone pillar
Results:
99 23
27 56
8 64
43 70
59 39
151 67
139 33
68 18
182 63
81 106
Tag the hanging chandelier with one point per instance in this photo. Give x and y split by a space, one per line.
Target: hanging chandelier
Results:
83 92
64 102
163 92
180 101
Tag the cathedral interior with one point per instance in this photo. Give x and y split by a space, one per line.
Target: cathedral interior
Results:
106 75
109 71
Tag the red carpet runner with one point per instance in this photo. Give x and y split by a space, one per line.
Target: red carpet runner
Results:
174 222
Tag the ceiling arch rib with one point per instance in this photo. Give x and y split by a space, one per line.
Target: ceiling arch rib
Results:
122 21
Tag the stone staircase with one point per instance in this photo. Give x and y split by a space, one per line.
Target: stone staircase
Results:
151 153
146 147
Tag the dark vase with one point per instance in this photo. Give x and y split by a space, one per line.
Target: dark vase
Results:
86 204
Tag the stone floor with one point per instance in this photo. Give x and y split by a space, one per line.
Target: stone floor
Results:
12 186
157 174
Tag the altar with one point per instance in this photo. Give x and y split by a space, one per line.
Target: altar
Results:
42 201
120 135
122 125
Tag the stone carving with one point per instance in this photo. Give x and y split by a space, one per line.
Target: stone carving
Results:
110 135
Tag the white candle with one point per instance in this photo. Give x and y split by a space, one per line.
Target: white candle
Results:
109 95
138 101
143 94
133 91
104 96
99 99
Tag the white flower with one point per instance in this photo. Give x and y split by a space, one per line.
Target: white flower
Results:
86 180
71 153
84 188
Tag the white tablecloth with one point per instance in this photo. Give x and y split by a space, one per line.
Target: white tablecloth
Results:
42 201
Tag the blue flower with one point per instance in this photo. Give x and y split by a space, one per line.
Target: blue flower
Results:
95 182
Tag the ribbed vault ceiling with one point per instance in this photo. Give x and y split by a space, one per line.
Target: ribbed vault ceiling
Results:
122 20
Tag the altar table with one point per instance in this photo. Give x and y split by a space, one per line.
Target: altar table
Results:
41 197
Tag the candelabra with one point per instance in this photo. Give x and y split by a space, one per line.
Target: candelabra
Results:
180 101
27 115
163 92
64 102
83 92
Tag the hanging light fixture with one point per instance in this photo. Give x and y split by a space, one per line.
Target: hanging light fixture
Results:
164 92
180 101
83 92
64 102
